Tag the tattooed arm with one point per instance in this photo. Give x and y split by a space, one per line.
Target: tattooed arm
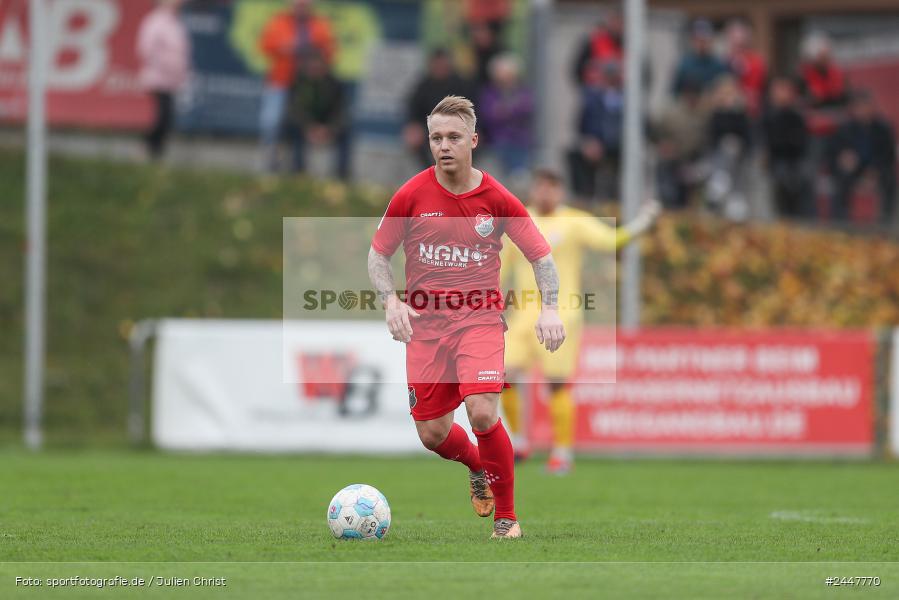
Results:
381 275
549 328
398 313
547 278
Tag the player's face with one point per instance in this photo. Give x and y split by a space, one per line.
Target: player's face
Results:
546 195
451 143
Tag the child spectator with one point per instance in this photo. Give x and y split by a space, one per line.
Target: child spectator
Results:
730 136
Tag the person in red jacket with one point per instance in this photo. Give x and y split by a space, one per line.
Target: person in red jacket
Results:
604 44
746 64
824 82
286 38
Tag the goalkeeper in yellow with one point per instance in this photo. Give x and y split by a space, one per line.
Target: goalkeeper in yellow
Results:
570 232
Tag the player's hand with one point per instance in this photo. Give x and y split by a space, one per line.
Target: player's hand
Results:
550 331
399 319
645 218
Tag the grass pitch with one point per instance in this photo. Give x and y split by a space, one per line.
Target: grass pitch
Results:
613 528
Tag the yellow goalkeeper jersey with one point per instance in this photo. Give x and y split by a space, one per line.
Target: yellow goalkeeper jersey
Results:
570 232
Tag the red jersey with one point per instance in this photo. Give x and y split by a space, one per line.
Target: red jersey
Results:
452 244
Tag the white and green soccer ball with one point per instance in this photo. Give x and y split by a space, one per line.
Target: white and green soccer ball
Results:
359 512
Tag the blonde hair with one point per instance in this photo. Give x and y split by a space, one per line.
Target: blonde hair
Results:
457 106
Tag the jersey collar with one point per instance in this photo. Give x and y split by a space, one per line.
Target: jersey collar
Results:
485 183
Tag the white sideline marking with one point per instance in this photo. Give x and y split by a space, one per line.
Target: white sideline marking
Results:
812 516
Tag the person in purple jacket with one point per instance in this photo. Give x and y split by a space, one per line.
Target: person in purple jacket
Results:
506 110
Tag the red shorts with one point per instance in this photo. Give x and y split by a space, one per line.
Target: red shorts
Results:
443 371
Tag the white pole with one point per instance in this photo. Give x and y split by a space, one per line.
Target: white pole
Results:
632 166
541 31
35 243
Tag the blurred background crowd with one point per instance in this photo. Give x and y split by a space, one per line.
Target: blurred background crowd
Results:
739 127
822 144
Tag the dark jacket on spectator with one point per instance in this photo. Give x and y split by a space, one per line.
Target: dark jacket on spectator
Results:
730 122
786 135
602 116
698 69
318 101
874 143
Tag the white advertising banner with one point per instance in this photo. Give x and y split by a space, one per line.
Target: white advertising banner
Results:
264 386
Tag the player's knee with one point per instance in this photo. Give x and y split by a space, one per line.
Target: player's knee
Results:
482 421
482 415
431 438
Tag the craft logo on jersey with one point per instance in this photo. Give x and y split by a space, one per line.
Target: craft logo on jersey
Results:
483 224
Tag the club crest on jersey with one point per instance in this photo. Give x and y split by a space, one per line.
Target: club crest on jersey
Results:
483 224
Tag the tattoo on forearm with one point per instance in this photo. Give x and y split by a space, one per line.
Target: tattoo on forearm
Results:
381 274
547 278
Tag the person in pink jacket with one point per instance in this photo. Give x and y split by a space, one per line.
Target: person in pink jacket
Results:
163 49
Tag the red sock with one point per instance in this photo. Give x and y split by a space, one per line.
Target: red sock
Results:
496 452
459 448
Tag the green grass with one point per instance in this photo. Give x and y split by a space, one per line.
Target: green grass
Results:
628 528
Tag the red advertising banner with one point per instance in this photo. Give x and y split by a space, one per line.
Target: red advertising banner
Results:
92 75
693 391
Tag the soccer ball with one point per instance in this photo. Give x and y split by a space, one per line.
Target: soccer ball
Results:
359 512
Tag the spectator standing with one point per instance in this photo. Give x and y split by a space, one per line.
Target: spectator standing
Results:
604 44
786 138
286 38
439 81
594 161
730 136
317 113
679 134
486 21
699 65
824 82
163 49
746 64
507 109
485 46
863 150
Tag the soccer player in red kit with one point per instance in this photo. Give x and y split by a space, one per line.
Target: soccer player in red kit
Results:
450 219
